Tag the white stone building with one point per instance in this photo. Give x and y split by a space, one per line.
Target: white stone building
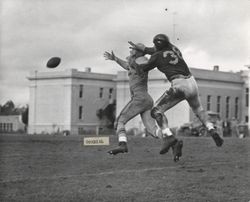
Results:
69 100
11 123
225 93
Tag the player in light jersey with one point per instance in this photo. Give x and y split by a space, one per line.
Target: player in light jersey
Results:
168 59
141 102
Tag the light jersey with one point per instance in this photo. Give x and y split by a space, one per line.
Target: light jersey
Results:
169 61
138 80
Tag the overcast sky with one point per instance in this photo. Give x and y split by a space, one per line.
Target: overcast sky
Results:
208 32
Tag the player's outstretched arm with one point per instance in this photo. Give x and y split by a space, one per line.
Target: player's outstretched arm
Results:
111 56
146 50
146 67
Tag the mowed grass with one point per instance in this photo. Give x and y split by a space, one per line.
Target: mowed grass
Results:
52 168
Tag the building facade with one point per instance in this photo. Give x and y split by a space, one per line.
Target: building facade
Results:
221 92
225 93
11 123
70 100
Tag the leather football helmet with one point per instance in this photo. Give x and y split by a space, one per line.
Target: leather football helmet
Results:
160 41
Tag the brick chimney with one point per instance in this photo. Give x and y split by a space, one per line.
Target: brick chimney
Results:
216 68
87 69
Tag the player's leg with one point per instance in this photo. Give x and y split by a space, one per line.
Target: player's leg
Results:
169 99
121 131
201 114
133 108
195 103
151 128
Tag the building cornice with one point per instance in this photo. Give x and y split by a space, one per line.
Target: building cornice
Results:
70 74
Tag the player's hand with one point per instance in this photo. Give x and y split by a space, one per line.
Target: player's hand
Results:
135 47
109 56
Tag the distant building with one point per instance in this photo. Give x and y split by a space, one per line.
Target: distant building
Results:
245 96
11 123
68 100
226 93
71 100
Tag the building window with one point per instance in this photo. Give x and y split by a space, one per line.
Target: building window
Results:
80 112
81 91
227 106
101 93
209 102
246 119
218 104
110 93
9 127
236 107
247 96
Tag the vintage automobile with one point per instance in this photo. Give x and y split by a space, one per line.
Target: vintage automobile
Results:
195 128
243 130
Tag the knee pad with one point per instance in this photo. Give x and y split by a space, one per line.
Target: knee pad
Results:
155 112
157 115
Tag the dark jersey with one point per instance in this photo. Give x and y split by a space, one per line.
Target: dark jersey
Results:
169 61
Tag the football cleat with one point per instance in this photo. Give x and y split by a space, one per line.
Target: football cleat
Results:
168 142
177 150
122 148
216 137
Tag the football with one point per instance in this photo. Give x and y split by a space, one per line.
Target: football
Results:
53 62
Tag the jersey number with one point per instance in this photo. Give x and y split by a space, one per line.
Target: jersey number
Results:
175 54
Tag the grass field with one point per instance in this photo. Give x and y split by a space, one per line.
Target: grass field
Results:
53 168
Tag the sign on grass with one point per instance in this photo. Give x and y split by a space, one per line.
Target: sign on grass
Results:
90 141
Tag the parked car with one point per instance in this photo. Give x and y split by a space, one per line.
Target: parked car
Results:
243 130
195 128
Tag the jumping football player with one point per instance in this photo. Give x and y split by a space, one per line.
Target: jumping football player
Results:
168 59
141 102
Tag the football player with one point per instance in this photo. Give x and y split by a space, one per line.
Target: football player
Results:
141 102
168 59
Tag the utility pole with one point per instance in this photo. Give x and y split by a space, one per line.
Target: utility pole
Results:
248 66
173 25
35 103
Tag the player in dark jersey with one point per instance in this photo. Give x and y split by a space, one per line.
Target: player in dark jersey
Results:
141 102
168 59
